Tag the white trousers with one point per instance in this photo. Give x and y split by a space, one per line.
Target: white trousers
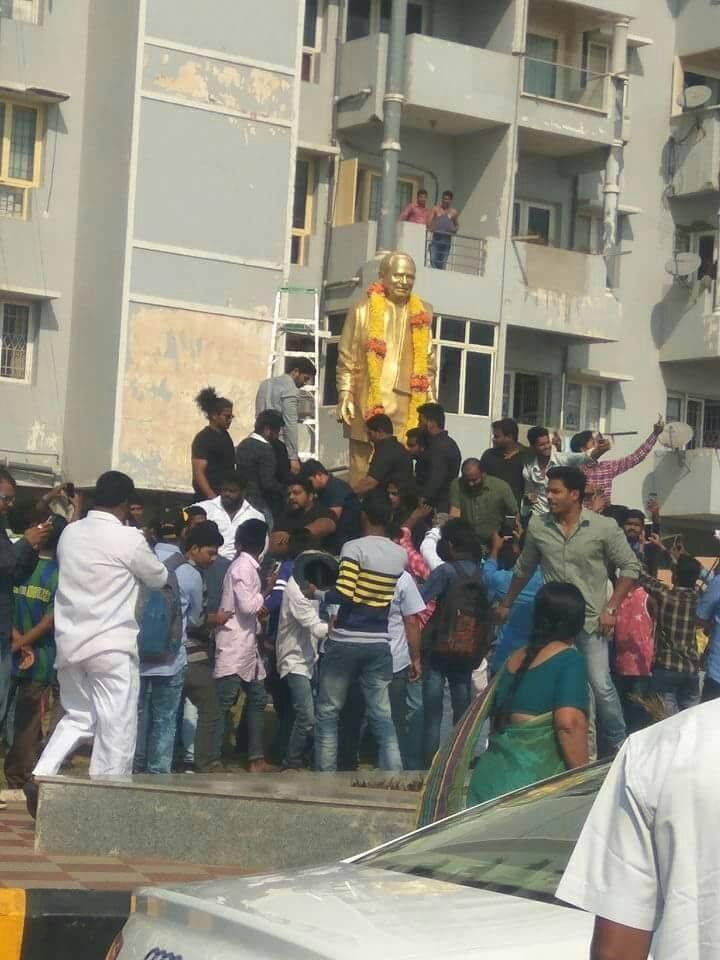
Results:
100 699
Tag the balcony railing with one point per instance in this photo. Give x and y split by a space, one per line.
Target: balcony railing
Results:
554 81
455 252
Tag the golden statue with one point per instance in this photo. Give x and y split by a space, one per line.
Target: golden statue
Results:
386 359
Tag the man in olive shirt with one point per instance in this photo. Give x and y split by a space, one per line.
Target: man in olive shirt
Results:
575 545
506 458
480 500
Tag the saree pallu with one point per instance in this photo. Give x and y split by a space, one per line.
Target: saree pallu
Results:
519 755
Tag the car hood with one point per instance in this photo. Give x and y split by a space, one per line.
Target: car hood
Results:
347 912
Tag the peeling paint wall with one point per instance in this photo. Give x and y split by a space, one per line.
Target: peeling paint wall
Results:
248 89
171 355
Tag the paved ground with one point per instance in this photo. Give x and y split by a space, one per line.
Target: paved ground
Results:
21 867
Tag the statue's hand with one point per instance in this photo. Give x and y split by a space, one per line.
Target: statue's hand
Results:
346 409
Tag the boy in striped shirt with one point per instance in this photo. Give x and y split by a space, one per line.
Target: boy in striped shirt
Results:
358 647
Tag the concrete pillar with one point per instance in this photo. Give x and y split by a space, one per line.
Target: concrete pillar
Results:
392 111
614 162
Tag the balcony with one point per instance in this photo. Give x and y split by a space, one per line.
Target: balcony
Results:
688 483
691 324
693 153
451 88
564 108
467 287
562 292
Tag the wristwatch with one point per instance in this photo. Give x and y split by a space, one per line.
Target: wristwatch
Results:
611 610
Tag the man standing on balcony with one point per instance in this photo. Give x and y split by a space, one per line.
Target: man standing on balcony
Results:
417 211
443 223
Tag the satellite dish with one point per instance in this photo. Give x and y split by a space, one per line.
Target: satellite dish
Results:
693 98
676 436
683 264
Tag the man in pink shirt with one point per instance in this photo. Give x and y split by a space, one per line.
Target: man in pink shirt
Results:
417 211
238 664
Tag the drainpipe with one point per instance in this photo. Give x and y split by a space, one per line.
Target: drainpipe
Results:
614 163
392 111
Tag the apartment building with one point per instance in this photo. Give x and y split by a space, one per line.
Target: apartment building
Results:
183 167
148 159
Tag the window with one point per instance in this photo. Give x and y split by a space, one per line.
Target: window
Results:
373 16
702 414
540 66
20 140
673 409
302 211
369 195
466 352
311 42
584 407
527 397
534 222
702 80
704 244
334 328
24 10
15 342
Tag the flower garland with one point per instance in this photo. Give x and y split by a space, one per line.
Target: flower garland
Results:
377 349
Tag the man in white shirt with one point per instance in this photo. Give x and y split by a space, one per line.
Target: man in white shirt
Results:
406 697
102 561
300 631
229 511
545 457
647 862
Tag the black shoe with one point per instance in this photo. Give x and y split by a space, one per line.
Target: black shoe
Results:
32 795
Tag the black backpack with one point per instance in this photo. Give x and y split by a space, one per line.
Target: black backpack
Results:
460 625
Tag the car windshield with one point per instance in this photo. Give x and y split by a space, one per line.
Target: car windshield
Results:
518 845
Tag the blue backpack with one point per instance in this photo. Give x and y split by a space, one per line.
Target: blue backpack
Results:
159 617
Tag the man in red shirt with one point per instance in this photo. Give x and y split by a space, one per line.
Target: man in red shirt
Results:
417 211
600 474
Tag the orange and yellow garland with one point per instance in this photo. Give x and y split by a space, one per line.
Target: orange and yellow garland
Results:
377 348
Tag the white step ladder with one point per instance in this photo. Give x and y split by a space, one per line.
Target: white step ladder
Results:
306 331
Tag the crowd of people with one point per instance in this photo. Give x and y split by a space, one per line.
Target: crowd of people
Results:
354 623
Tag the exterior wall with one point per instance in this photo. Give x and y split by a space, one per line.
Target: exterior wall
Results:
170 355
39 253
646 244
101 249
490 25
698 24
210 228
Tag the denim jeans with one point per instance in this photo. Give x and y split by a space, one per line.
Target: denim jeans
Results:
371 664
406 703
611 730
676 689
440 250
303 708
228 689
200 691
158 707
433 682
5 684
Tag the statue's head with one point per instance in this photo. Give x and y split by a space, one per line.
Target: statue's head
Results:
397 274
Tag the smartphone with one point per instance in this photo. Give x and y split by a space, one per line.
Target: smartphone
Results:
508 526
70 490
649 527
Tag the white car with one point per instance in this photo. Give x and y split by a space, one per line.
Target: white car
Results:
479 884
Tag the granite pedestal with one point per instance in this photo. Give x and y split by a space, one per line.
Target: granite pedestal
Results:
261 822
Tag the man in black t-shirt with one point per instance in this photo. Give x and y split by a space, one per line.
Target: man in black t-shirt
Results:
339 499
506 459
303 513
390 463
442 457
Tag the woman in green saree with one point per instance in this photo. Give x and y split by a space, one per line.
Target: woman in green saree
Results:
537 707
539 716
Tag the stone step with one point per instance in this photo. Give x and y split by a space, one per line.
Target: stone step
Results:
259 822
